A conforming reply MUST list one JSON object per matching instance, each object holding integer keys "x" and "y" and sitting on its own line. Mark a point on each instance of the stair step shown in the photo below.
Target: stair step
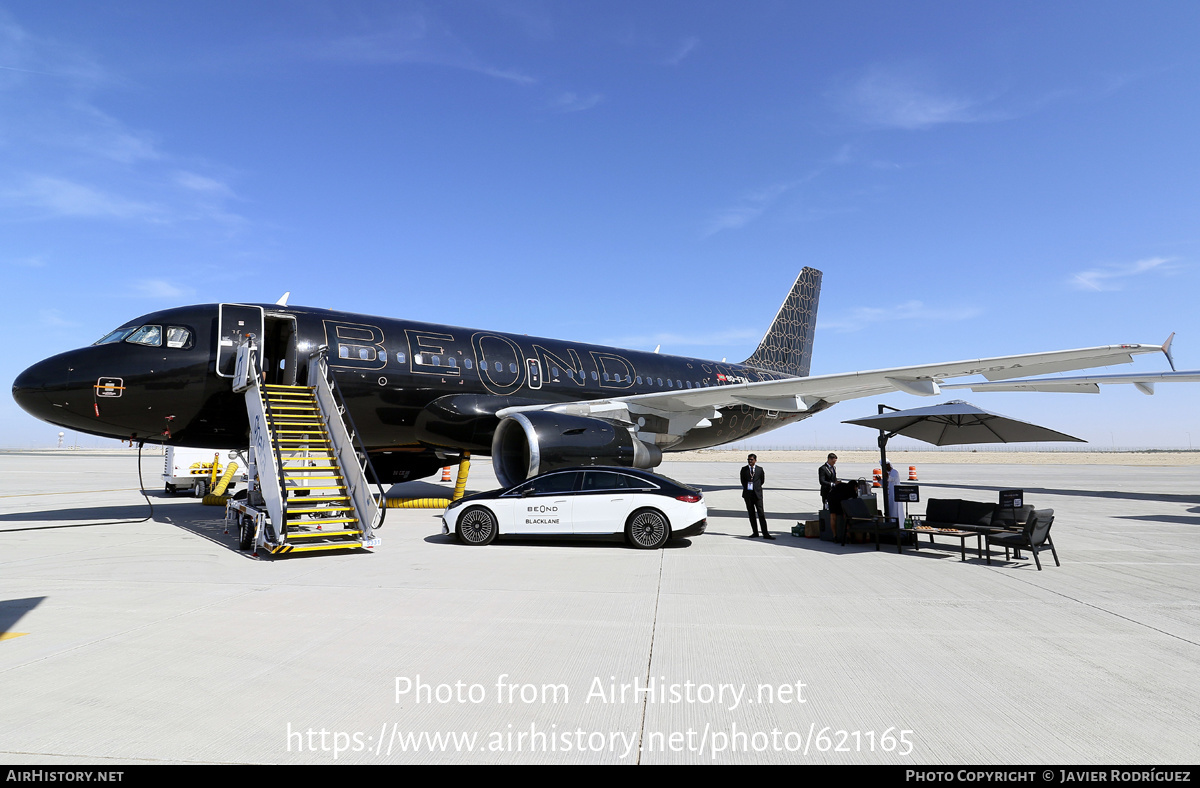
{"x": 291, "y": 548}
{"x": 318, "y": 534}
{"x": 319, "y": 509}
{"x": 322, "y": 521}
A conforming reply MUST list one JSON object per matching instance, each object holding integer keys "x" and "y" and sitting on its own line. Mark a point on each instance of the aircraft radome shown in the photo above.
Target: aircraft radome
{"x": 418, "y": 392}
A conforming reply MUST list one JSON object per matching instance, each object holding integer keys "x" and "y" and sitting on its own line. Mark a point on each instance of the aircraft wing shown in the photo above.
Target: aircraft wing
{"x": 800, "y": 394}
{"x": 1086, "y": 384}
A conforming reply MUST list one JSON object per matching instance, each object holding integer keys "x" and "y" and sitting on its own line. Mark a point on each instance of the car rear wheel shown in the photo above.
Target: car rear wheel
{"x": 476, "y": 526}
{"x": 647, "y": 529}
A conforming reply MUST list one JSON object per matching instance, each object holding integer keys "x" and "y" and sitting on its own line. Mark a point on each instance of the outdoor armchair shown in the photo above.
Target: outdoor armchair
{"x": 1034, "y": 536}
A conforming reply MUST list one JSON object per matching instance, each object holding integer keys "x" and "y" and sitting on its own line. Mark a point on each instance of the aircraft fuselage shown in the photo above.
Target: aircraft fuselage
{"x": 411, "y": 387}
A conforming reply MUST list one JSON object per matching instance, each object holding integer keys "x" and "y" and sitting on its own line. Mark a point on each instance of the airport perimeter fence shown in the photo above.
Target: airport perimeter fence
{"x": 896, "y": 447}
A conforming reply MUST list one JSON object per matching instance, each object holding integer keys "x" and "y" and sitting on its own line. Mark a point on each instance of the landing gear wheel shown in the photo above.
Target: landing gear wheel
{"x": 200, "y": 488}
{"x": 476, "y": 526}
{"x": 246, "y": 533}
{"x": 171, "y": 489}
{"x": 647, "y": 529}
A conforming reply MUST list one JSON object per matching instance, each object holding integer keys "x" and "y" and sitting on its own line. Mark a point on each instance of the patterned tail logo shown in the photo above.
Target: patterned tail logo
{"x": 787, "y": 346}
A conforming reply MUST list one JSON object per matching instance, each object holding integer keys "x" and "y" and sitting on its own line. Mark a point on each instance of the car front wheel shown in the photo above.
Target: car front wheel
{"x": 476, "y": 526}
{"x": 648, "y": 529}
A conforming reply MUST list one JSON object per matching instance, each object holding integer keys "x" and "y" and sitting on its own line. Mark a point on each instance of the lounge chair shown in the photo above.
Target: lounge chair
{"x": 1034, "y": 536}
{"x": 860, "y": 519}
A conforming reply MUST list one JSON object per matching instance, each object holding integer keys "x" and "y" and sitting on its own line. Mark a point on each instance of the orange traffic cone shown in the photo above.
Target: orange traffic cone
{"x": 878, "y": 478}
{"x": 912, "y": 473}
{"x": 446, "y": 474}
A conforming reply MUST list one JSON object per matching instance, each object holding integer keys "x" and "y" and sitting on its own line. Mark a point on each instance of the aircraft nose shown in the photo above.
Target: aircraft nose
{"x": 30, "y": 387}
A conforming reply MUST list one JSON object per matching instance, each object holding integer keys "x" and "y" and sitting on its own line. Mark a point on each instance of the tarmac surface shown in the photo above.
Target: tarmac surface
{"x": 158, "y": 642}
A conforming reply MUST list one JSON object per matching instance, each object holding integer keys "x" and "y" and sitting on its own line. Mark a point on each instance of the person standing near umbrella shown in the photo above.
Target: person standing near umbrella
{"x": 827, "y": 476}
{"x": 752, "y": 484}
{"x": 892, "y": 507}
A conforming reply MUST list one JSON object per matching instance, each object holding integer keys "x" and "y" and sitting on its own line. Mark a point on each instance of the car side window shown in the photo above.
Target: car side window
{"x": 553, "y": 483}
{"x": 604, "y": 480}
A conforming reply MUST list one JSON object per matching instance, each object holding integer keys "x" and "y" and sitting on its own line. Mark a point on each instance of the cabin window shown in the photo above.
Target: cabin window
{"x": 468, "y": 363}
{"x": 179, "y": 337}
{"x": 605, "y": 377}
{"x": 639, "y": 380}
{"x": 147, "y": 335}
{"x": 571, "y": 374}
{"x": 553, "y": 371}
{"x": 595, "y": 376}
{"x": 512, "y": 368}
{"x": 499, "y": 367}
{"x": 116, "y": 336}
{"x": 360, "y": 352}
{"x": 399, "y": 358}
{"x": 436, "y": 361}
{"x": 452, "y": 362}
{"x": 660, "y": 381}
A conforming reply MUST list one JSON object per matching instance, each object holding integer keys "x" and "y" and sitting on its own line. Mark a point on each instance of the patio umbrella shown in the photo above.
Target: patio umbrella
{"x": 957, "y": 423}
{"x": 952, "y": 423}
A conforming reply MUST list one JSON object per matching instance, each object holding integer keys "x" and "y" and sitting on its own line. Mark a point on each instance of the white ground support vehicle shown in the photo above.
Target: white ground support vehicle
{"x": 192, "y": 469}
{"x": 647, "y": 508}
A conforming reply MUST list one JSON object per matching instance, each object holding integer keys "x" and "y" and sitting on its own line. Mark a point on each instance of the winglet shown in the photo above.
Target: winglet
{"x": 283, "y": 302}
{"x": 1166, "y": 349}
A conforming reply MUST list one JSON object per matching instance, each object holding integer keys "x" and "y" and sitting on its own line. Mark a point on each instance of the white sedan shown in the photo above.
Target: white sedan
{"x": 647, "y": 508}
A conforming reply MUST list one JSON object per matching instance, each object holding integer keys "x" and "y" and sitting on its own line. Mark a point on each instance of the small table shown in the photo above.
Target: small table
{"x": 955, "y": 532}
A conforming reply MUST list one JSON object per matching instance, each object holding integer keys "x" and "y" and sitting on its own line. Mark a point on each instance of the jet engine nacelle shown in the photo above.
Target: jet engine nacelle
{"x": 526, "y": 444}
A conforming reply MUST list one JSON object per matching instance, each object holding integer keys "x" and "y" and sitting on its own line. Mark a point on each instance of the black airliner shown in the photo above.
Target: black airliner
{"x": 420, "y": 391}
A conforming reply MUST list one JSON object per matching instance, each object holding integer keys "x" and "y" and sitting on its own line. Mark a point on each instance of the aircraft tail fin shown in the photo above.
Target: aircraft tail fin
{"x": 787, "y": 345}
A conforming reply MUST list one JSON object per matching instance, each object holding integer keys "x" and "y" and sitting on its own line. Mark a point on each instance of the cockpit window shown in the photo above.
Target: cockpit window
{"x": 116, "y": 336}
{"x": 178, "y": 336}
{"x": 147, "y": 335}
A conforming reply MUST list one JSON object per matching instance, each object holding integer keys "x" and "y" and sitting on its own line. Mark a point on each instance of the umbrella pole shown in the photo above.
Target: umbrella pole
{"x": 883, "y": 439}
{"x": 885, "y": 476}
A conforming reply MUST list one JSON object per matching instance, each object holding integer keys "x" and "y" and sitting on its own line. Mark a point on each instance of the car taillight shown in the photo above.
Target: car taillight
{"x": 691, "y": 498}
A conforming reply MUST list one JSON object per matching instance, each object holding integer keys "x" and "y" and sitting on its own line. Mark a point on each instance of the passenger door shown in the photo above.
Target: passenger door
{"x": 235, "y": 321}
{"x": 604, "y": 502}
{"x": 544, "y": 505}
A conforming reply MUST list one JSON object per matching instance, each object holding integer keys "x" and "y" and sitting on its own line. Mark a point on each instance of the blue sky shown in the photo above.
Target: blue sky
{"x": 974, "y": 179}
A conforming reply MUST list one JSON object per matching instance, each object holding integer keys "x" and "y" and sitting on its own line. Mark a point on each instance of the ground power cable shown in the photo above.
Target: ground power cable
{"x": 141, "y": 489}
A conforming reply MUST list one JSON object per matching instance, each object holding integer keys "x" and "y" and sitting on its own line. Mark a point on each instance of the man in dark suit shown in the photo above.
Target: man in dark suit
{"x": 752, "y": 484}
{"x": 827, "y": 476}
